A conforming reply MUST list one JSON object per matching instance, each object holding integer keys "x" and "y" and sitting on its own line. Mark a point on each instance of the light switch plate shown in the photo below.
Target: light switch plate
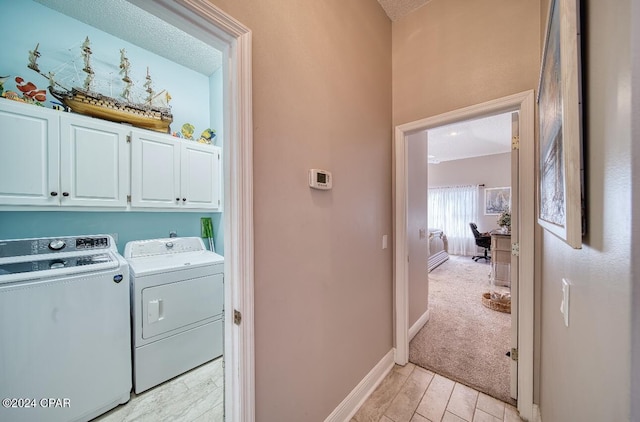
{"x": 384, "y": 241}
{"x": 564, "y": 306}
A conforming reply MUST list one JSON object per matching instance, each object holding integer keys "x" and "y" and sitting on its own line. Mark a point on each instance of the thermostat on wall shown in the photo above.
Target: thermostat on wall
{"x": 320, "y": 179}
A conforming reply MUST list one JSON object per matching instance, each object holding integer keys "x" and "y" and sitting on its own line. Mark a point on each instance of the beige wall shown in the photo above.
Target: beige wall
{"x": 585, "y": 368}
{"x": 323, "y": 284}
{"x": 451, "y": 54}
{"x": 494, "y": 171}
{"x": 417, "y": 220}
{"x": 454, "y": 53}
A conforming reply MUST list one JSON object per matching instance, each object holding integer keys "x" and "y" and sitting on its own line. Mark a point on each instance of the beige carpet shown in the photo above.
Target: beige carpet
{"x": 464, "y": 340}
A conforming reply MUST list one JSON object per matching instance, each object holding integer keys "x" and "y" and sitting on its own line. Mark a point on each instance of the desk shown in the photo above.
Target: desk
{"x": 501, "y": 258}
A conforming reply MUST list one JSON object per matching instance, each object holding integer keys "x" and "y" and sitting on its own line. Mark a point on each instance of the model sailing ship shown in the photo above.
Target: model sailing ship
{"x": 152, "y": 113}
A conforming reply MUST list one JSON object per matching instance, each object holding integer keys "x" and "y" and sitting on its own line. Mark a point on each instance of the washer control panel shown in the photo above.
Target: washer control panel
{"x": 52, "y": 245}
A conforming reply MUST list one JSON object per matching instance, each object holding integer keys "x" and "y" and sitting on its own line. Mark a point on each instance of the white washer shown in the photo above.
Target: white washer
{"x": 64, "y": 328}
{"x": 177, "y": 299}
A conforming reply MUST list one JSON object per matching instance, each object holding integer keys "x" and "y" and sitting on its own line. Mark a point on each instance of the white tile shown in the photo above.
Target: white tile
{"x": 404, "y": 370}
{"x": 481, "y": 416}
{"x": 409, "y": 396}
{"x": 450, "y": 417}
{"x": 186, "y": 398}
{"x": 374, "y": 407}
{"x": 417, "y": 368}
{"x": 205, "y": 376}
{"x": 463, "y": 401}
{"x": 511, "y": 414}
{"x": 491, "y": 405}
{"x": 417, "y": 418}
{"x": 214, "y": 415}
{"x": 433, "y": 404}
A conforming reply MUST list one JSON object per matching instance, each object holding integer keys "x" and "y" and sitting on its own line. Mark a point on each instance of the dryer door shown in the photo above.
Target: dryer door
{"x": 173, "y": 307}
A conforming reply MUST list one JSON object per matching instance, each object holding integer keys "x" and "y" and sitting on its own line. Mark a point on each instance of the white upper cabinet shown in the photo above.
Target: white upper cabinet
{"x": 52, "y": 158}
{"x": 29, "y": 155}
{"x": 169, "y": 172}
{"x": 94, "y": 162}
{"x": 200, "y": 175}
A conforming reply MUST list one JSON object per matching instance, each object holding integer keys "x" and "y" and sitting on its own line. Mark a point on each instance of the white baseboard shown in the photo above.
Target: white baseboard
{"x": 351, "y": 403}
{"x": 418, "y": 325}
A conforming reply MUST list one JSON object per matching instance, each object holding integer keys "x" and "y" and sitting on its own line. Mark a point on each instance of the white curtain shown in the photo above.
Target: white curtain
{"x": 451, "y": 209}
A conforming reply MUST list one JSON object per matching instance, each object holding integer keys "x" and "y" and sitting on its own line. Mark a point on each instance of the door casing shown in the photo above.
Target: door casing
{"x": 210, "y": 24}
{"x": 523, "y": 103}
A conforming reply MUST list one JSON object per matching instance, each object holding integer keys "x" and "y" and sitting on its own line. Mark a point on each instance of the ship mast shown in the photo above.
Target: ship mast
{"x": 86, "y": 54}
{"x": 149, "y": 90}
{"x": 33, "y": 65}
{"x": 33, "y": 59}
{"x": 124, "y": 71}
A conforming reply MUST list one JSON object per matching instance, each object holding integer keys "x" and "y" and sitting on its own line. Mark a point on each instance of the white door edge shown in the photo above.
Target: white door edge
{"x": 524, "y": 103}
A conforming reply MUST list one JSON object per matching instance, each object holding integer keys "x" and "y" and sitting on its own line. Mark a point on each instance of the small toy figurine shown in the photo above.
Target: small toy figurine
{"x": 30, "y": 90}
{"x": 2, "y": 81}
{"x": 207, "y": 136}
{"x": 187, "y": 131}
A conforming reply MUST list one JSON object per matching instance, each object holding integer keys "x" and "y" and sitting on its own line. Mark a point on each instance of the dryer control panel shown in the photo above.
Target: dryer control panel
{"x": 172, "y": 245}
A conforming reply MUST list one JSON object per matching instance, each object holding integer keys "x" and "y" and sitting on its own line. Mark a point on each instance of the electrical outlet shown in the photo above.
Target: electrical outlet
{"x": 564, "y": 306}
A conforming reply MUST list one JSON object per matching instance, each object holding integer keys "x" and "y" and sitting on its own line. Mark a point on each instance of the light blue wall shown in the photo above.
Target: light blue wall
{"x": 127, "y": 225}
{"x": 26, "y": 23}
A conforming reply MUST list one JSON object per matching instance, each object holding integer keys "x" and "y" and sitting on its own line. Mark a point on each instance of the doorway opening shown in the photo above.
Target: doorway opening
{"x": 469, "y": 182}
{"x": 524, "y": 104}
{"x": 209, "y": 81}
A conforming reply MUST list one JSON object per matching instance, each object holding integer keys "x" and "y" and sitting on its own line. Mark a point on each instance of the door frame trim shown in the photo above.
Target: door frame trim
{"x": 524, "y": 103}
{"x": 203, "y": 20}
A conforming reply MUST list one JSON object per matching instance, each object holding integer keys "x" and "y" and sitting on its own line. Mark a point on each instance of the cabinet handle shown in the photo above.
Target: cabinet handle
{"x": 54, "y": 193}
{"x": 184, "y": 199}
{"x": 65, "y": 194}
{"x": 177, "y": 199}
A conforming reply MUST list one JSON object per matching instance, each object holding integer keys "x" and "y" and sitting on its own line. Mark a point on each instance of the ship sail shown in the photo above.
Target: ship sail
{"x": 86, "y": 55}
{"x": 124, "y": 71}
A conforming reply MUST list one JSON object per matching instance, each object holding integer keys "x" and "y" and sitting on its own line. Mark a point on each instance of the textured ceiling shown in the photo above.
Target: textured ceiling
{"x": 396, "y": 9}
{"x": 130, "y": 23}
{"x": 471, "y": 138}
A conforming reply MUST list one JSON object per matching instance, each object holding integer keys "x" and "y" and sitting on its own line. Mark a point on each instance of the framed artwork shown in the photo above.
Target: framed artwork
{"x": 560, "y": 199}
{"x": 497, "y": 200}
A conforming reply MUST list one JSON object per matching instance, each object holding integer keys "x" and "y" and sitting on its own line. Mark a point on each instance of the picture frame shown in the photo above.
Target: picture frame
{"x": 560, "y": 181}
{"x": 497, "y": 200}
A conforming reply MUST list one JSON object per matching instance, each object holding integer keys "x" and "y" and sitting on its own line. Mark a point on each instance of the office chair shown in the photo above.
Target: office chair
{"x": 482, "y": 240}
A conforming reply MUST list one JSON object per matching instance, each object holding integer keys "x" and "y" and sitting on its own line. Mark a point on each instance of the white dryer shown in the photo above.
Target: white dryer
{"x": 177, "y": 299}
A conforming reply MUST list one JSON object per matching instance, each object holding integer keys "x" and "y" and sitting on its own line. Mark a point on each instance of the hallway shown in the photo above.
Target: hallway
{"x": 413, "y": 394}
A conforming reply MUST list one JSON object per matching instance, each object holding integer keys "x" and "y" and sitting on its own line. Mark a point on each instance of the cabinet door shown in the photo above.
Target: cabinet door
{"x": 29, "y": 155}
{"x": 94, "y": 162}
{"x": 200, "y": 176}
{"x": 155, "y": 170}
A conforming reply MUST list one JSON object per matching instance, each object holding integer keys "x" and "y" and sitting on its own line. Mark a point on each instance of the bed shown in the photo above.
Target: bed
{"x": 437, "y": 249}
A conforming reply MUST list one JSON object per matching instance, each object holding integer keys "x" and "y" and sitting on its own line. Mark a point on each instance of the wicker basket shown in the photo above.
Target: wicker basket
{"x": 495, "y": 305}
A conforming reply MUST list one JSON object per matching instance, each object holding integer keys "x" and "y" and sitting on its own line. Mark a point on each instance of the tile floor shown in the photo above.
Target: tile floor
{"x": 196, "y": 396}
{"x": 413, "y": 394}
